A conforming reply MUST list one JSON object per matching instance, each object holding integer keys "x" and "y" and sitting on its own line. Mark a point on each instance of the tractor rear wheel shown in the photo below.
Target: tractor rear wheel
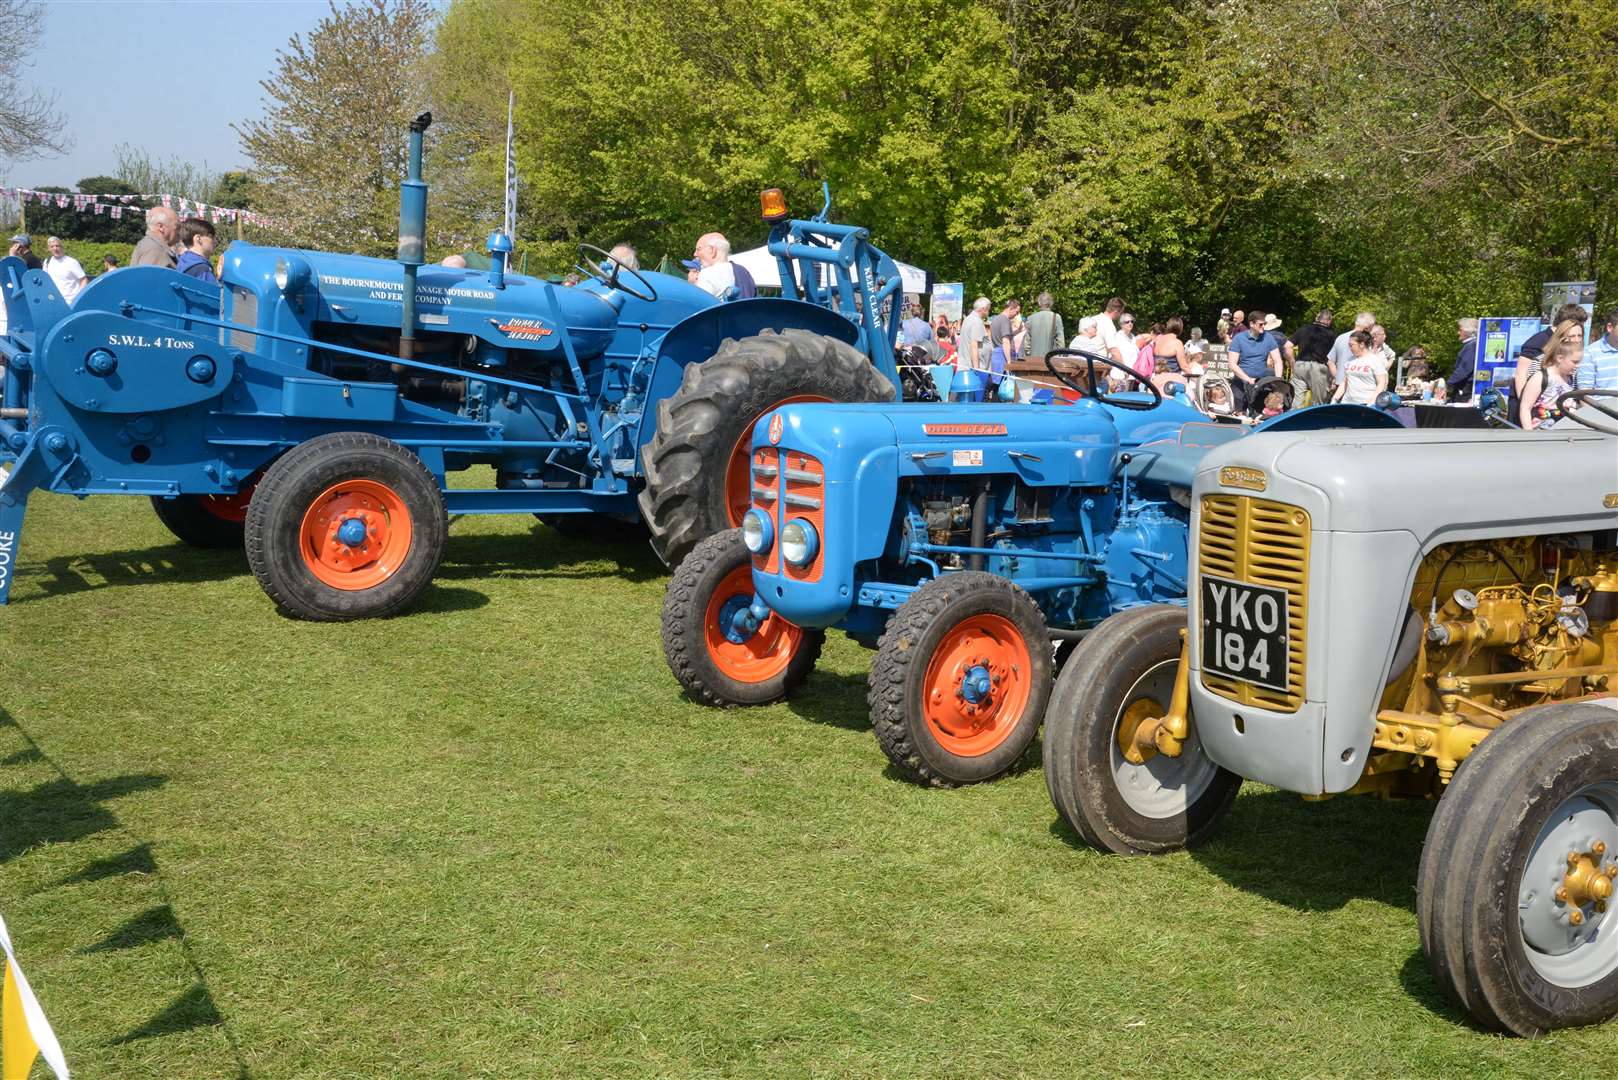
{"x": 697, "y": 476}
{"x": 205, "y": 521}
{"x": 718, "y": 661}
{"x": 345, "y": 526}
{"x": 1121, "y": 674}
{"x": 1515, "y": 892}
{"x": 961, "y": 679}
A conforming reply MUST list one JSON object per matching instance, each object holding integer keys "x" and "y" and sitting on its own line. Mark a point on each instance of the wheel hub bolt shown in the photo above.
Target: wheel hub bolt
{"x": 1576, "y": 917}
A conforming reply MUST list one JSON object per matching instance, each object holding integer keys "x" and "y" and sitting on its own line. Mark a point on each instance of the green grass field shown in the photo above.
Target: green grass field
{"x": 490, "y": 838}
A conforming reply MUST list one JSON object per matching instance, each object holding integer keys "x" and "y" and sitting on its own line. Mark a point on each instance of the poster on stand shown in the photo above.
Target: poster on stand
{"x": 1553, "y": 294}
{"x": 946, "y": 301}
{"x": 1499, "y": 342}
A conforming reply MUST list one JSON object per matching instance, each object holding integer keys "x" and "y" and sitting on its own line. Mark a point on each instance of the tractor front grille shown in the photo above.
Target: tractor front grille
{"x": 243, "y": 312}
{"x": 1262, "y": 543}
{"x": 790, "y": 484}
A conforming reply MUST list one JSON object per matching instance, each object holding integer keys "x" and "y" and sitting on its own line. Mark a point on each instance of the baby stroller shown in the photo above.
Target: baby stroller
{"x": 1266, "y": 391}
{"x": 916, "y": 373}
{"x": 1213, "y": 395}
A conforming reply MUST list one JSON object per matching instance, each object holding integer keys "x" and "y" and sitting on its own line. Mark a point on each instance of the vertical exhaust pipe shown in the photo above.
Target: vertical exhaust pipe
{"x": 412, "y": 235}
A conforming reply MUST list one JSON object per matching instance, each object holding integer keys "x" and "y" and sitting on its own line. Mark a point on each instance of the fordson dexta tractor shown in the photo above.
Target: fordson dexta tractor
{"x": 1345, "y": 637}
{"x": 958, "y": 540}
{"x": 317, "y": 403}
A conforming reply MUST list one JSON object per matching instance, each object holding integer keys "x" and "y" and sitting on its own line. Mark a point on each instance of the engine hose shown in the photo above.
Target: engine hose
{"x": 980, "y": 525}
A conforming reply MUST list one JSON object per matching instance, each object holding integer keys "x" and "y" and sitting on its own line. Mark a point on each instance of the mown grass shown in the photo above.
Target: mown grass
{"x": 490, "y": 838}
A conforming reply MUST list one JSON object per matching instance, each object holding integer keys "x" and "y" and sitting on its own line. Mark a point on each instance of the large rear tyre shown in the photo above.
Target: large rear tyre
{"x": 1121, "y": 674}
{"x": 204, "y": 521}
{"x": 717, "y": 660}
{"x": 961, "y": 679}
{"x": 697, "y": 465}
{"x": 1515, "y": 890}
{"x": 345, "y": 526}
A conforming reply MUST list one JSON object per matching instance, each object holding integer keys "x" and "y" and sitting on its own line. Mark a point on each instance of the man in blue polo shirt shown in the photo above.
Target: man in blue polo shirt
{"x": 1599, "y": 368}
{"x": 1255, "y": 354}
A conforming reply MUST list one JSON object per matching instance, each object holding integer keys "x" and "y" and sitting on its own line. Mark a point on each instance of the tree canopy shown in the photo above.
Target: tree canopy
{"x": 1426, "y": 161}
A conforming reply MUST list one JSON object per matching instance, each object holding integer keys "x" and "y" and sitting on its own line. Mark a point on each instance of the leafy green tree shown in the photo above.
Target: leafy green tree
{"x": 330, "y": 149}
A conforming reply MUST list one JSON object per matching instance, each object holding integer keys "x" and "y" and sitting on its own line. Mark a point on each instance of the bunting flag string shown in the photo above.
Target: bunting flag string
{"x": 117, "y": 205}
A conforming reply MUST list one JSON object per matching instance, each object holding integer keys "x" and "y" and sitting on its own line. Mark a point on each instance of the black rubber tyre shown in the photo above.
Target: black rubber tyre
{"x": 1476, "y": 889}
{"x": 920, "y": 659}
{"x": 733, "y": 674}
{"x": 189, "y": 519}
{"x": 596, "y": 528}
{"x": 719, "y": 400}
{"x": 1130, "y": 657}
{"x": 291, "y": 487}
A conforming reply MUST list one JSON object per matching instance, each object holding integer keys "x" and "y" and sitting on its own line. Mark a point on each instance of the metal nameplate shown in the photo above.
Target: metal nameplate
{"x": 1237, "y": 476}
{"x": 963, "y": 429}
{"x": 1244, "y": 631}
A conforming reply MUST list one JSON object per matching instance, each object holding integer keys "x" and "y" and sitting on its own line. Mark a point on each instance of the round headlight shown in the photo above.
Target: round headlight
{"x": 799, "y": 542}
{"x": 291, "y": 273}
{"x": 756, "y": 531}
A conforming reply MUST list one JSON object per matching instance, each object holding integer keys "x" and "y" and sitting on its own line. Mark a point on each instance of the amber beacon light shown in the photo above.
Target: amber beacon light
{"x": 774, "y": 204}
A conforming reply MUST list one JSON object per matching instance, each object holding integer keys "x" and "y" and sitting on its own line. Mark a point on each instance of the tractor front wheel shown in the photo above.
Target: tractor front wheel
{"x": 697, "y": 465}
{"x": 1515, "y": 893}
{"x": 961, "y": 678}
{"x": 720, "y": 654}
{"x": 205, "y": 521}
{"x": 1120, "y": 675}
{"x": 345, "y": 526}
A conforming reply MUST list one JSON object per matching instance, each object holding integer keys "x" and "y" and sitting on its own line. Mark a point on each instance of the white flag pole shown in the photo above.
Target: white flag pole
{"x": 511, "y": 172}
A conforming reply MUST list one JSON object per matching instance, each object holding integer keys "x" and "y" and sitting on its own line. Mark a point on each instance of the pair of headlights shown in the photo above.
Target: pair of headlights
{"x": 800, "y": 543}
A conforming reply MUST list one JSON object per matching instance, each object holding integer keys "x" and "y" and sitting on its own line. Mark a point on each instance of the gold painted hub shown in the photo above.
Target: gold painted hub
{"x": 1137, "y": 730}
{"x": 1586, "y": 881}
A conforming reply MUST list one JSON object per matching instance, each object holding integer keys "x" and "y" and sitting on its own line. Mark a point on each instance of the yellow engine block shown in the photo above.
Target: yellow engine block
{"x": 1504, "y": 625}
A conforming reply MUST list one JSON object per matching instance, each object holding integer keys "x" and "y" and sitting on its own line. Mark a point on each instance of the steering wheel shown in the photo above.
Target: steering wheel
{"x": 1101, "y": 395}
{"x": 1587, "y": 397}
{"x": 591, "y": 267}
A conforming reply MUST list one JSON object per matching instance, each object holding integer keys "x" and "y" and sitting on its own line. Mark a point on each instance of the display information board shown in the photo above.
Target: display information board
{"x": 1499, "y": 341}
{"x": 946, "y": 301}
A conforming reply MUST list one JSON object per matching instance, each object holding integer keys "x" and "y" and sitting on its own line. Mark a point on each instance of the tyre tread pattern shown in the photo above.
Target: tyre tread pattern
{"x": 697, "y": 427}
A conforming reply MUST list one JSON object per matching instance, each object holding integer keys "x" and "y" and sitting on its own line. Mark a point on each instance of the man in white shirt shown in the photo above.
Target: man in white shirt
{"x": 717, "y": 276}
{"x": 65, "y": 270}
{"x": 1107, "y": 325}
{"x": 973, "y": 345}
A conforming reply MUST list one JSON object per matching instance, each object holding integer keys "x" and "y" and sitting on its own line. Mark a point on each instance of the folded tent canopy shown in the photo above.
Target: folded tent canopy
{"x": 767, "y": 272}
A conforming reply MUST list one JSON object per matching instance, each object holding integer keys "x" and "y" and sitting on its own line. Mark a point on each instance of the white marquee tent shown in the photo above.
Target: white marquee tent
{"x": 767, "y": 272}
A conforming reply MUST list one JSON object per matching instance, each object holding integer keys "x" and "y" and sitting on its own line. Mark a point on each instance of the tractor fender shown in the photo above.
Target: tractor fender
{"x": 1321, "y": 417}
{"x": 699, "y": 335}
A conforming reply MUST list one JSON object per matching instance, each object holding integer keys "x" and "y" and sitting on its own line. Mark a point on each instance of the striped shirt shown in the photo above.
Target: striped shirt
{"x": 1599, "y": 368}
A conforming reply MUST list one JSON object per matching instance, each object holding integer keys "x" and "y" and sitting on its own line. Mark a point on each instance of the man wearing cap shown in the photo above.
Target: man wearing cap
{"x": 156, "y": 248}
{"x": 23, "y": 248}
{"x": 65, "y": 270}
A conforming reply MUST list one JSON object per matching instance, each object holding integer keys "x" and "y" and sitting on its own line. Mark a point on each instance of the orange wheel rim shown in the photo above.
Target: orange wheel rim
{"x": 977, "y": 685}
{"x": 739, "y": 473}
{"x": 763, "y": 654}
{"x": 355, "y": 535}
{"x": 231, "y": 508}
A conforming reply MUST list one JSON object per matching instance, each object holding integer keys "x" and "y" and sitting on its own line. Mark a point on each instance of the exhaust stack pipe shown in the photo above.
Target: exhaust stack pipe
{"x": 412, "y": 234}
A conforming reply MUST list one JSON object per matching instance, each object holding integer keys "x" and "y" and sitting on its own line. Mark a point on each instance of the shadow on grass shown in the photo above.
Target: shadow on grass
{"x": 168, "y": 564}
{"x": 154, "y": 924}
{"x": 544, "y": 553}
{"x": 61, "y": 811}
{"x": 1319, "y": 856}
{"x": 137, "y": 860}
{"x": 1417, "y": 978}
{"x": 833, "y": 700}
{"x": 193, "y": 1009}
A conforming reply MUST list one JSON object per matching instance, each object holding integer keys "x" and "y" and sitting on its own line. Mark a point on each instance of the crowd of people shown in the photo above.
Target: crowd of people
{"x": 1252, "y": 366}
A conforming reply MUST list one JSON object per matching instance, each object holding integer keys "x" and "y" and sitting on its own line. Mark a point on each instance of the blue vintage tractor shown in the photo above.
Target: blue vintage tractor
{"x": 966, "y": 543}
{"x": 315, "y": 405}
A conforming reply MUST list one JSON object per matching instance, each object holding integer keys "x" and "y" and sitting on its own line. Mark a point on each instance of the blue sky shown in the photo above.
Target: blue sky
{"x": 121, "y": 77}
